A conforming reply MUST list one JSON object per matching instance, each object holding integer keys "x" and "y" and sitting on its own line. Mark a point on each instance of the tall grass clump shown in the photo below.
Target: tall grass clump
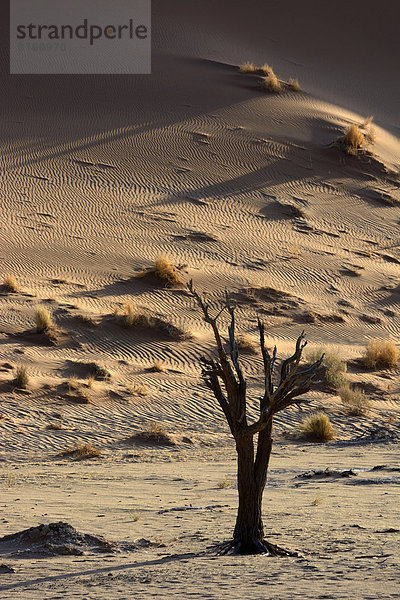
{"x": 43, "y": 320}
{"x": 21, "y": 380}
{"x": 317, "y": 428}
{"x": 10, "y": 284}
{"x": 353, "y": 140}
{"x": 271, "y": 83}
{"x": 248, "y": 67}
{"x": 381, "y": 354}
{"x": 354, "y": 400}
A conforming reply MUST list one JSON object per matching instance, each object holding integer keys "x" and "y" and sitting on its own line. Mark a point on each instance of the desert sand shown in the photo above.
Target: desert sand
{"x": 244, "y": 191}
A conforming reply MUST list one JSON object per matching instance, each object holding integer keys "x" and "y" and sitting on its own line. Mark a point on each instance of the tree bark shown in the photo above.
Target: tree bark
{"x": 249, "y": 530}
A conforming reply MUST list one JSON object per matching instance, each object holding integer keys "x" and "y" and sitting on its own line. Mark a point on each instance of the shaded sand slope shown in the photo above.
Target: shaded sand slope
{"x": 103, "y": 174}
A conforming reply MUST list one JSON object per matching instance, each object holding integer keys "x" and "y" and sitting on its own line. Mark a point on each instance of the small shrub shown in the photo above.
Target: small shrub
{"x": 43, "y": 320}
{"x": 271, "y": 83}
{"x": 10, "y": 284}
{"x": 381, "y": 354}
{"x": 247, "y": 67}
{"x": 354, "y": 400}
{"x": 80, "y": 451}
{"x": 164, "y": 269}
{"x": 21, "y": 380}
{"x": 246, "y": 344}
{"x": 317, "y": 428}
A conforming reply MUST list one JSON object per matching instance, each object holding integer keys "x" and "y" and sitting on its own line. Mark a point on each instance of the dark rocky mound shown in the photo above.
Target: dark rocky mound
{"x": 53, "y": 539}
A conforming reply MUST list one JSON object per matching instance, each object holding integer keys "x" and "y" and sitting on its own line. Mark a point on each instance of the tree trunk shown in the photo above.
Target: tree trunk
{"x": 249, "y": 530}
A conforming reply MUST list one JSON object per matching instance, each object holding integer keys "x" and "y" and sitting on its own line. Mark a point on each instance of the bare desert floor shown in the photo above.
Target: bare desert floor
{"x": 244, "y": 191}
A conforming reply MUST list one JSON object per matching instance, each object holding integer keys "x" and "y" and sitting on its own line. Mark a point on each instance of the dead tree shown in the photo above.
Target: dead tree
{"x": 225, "y": 378}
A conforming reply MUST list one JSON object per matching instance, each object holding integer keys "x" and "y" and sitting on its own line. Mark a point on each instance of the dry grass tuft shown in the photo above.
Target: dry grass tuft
{"x": 10, "y": 284}
{"x": 271, "y": 83}
{"x": 266, "y": 69}
{"x": 317, "y": 428}
{"x": 134, "y": 317}
{"x": 353, "y": 140}
{"x": 354, "y": 400}
{"x": 90, "y": 381}
{"x": 248, "y": 67}
{"x": 294, "y": 85}
{"x": 99, "y": 372}
{"x": 137, "y": 389}
{"x": 157, "y": 367}
{"x": 80, "y": 452}
{"x": 381, "y": 354}
{"x": 86, "y": 319}
{"x": 21, "y": 380}
{"x": 43, "y": 320}
{"x": 165, "y": 270}
{"x": 77, "y": 391}
{"x": 157, "y": 434}
{"x": 226, "y": 483}
{"x": 246, "y": 344}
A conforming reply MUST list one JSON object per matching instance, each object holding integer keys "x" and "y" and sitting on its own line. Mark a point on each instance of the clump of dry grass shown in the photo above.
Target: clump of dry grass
{"x": 354, "y": 400}
{"x": 165, "y": 270}
{"x": 353, "y": 140}
{"x": 317, "y": 428}
{"x": 156, "y": 433}
{"x": 381, "y": 354}
{"x": 21, "y": 380}
{"x": 90, "y": 381}
{"x": 98, "y": 371}
{"x": 80, "y": 451}
{"x": 137, "y": 389}
{"x": 86, "y": 319}
{"x": 43, "y": 320}
{"x": 271, "y": 83}
{"x": 266, "y": 69}
{"x": 134, "y": 317}
{"x": 77, "y": 391}
{"x": 246, "y": 344}
{"x": 294, "y": 85}
{"x": 157, "y": 367}
{"x": 73, "y": 384}
{"x": 248, "y": 67}
{"x": 10, "y": 284}
{"x": 335, "y": 367}
{"x": 226, "y": 483}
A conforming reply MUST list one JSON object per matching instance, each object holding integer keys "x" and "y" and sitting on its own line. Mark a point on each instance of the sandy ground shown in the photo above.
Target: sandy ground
{"x": 342, "y": 526}
{"x": 243, "y": 191}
